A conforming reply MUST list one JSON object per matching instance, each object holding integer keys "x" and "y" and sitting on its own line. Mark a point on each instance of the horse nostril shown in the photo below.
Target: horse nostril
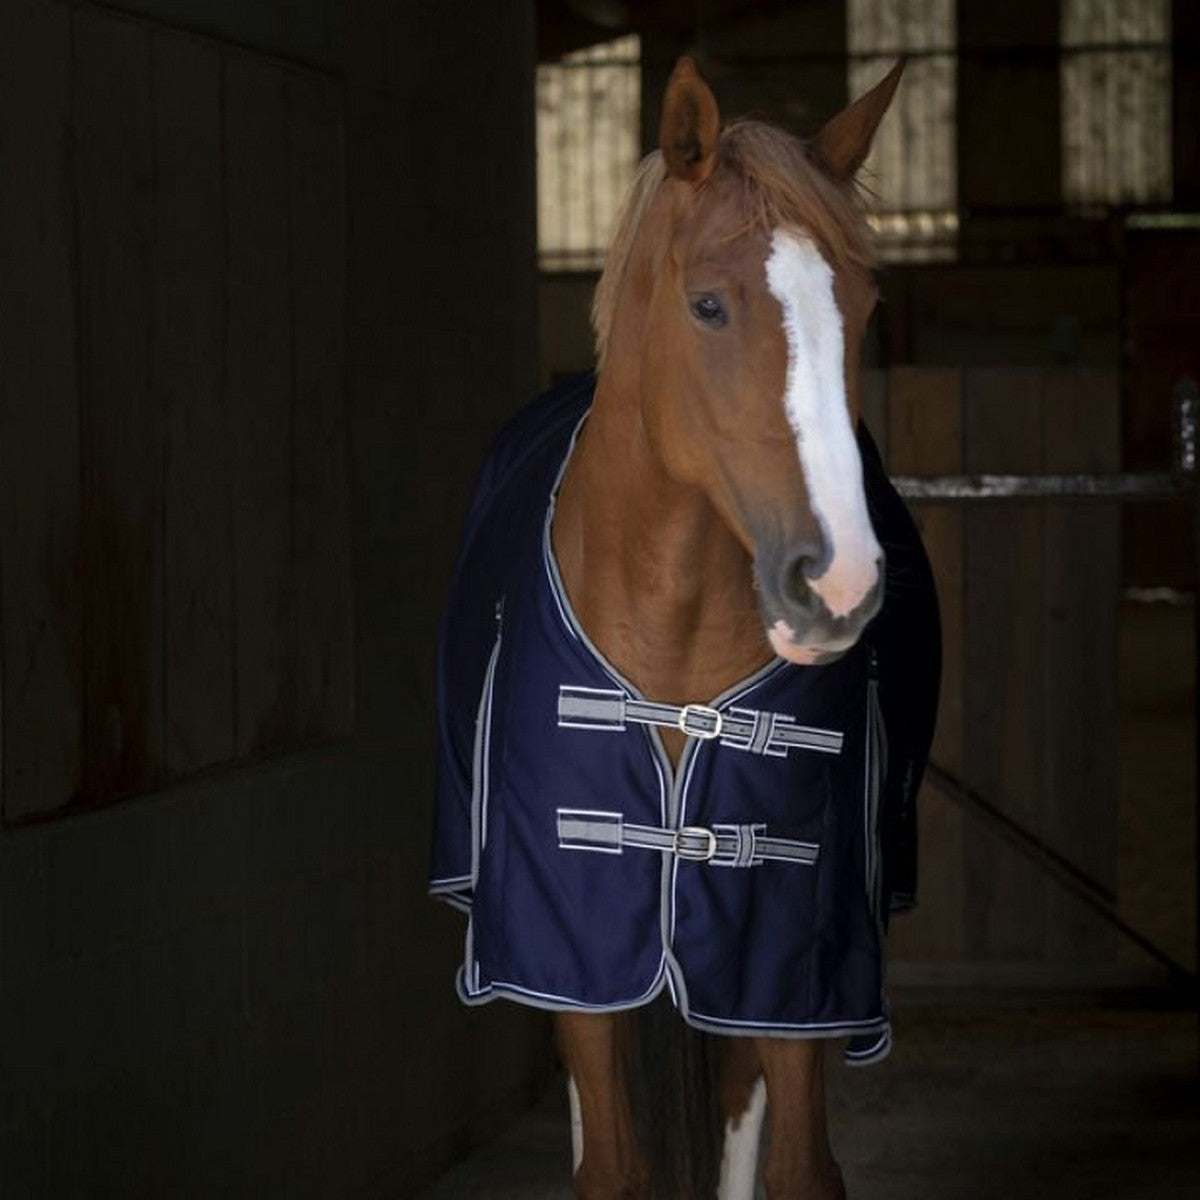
{"x": 806, "y": 564}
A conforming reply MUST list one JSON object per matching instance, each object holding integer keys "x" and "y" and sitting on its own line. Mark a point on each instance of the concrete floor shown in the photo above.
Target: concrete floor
{"x": 975, "y": 1103}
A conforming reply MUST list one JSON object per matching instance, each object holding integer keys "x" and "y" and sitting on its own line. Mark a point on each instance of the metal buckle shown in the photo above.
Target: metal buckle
{"x": 710, "y": 843}
{"x": 701, "y": 710}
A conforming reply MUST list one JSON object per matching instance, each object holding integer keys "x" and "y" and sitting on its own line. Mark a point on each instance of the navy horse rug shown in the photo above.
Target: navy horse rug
{"x": 753, "y": 880}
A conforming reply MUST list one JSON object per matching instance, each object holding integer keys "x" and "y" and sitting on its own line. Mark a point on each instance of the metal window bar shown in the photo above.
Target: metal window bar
{"x": 588, "y": 114}
{"x": 1181, "y": 483}
{"x": 913, "y": 161}
{"x": 1116, "y": 102}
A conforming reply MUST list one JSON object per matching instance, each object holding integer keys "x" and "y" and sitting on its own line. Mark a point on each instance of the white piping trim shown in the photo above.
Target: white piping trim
{"x": 877, "y": 1052}
{"x": 499, "y": 988}
{"x": 795, "y": 1028}
{"x": 451, "y": 882}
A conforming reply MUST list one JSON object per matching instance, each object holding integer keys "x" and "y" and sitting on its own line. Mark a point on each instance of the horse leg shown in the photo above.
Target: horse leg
{"x": 595, "y": 1048}
{"x": 800, "y": 1163}
{"x": 743, "y": 1101}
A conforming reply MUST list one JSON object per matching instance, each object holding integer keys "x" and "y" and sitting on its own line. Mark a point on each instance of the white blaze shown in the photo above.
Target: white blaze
{"x": 815, "y": 400}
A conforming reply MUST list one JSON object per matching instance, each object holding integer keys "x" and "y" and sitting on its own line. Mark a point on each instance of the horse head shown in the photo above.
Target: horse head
{"x": 733, "y": 304}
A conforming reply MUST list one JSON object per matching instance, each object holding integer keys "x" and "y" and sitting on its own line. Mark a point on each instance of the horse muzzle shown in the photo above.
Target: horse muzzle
{"x": 799, "y": 624}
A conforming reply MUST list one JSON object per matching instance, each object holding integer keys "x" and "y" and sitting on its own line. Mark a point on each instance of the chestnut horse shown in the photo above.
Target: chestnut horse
{"x": 705, "y": 527}
{"x": 713, "y": 513}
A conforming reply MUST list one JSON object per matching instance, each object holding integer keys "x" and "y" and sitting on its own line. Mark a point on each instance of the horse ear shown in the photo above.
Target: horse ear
{"x": 842, "y": 145}
{"x": 690, "y": 125}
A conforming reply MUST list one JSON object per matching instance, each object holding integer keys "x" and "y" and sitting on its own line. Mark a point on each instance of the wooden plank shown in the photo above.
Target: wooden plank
{"x": 925, "y": 438}
{"x": 1003, "y": 708}
{"x": 320, "y": 515}
{"x": 122, "y": 464}
{"x": 188, "y": 374}
{"x": 41, "y": 614}
{"x": 259, "y": 382}
{"x": 1081, "y": 566}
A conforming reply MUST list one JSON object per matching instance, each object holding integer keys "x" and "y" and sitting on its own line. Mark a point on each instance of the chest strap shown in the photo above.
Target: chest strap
{"x": 720, "y": 846}
{"x": 740, "y": 728}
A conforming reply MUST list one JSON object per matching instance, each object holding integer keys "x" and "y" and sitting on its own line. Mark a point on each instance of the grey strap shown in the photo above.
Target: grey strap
{"x": 740, "y": 728}
{"x": 720, "y": 846}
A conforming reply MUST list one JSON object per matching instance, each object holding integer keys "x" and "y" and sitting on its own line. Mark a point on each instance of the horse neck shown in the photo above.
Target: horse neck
{"x": 659, "y": 582}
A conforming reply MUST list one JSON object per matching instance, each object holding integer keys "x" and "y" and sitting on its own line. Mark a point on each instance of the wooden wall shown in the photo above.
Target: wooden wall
{"x": 175, "y": 535}
{"x": 235, "y": 984}
{"x": 1028, "y": 713}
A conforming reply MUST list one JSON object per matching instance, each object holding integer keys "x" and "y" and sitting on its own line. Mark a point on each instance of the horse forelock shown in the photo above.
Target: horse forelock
{"x": 781, "y": 186}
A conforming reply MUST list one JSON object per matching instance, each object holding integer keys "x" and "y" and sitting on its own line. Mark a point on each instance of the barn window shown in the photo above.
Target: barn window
{"x": 588, "y": 134}
{"x": 1116, "y": 102}
{"x": 912, "y": 167}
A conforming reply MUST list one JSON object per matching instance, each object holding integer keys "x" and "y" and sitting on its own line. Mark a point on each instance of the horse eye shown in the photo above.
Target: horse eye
{"x": 709, "y": 310}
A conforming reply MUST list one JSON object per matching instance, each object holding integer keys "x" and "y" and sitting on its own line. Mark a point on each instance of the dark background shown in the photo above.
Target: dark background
{"x": 268, "y": 283}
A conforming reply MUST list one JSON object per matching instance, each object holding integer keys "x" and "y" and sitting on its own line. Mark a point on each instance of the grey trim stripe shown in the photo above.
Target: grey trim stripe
{"x": 747, "y": 729}
{"x": 481, "y": 756}
{"x": 720, "y": 846}
{"x": 499, "y": 989}
{"x": 494, "y": 989}
{"x": 449, "y": 882}
{"x": 868, "y": 1055}
{"x": 797, "y": 1029}
{"x": 580, "y": 829}
{"x": 454, "y": 899}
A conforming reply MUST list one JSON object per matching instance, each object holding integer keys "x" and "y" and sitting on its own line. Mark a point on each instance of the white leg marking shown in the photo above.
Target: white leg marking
{"x": 576, "y": 1125}
{"x": 815, "y": 400}
{"x": 739, "y": 1162}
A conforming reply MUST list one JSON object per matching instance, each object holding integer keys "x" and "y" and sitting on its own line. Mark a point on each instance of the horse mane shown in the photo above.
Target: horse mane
{"x": 781, "y": 185}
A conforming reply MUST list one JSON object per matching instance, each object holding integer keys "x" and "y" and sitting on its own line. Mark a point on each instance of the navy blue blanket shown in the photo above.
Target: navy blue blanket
{"x": 753, "y": 882}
